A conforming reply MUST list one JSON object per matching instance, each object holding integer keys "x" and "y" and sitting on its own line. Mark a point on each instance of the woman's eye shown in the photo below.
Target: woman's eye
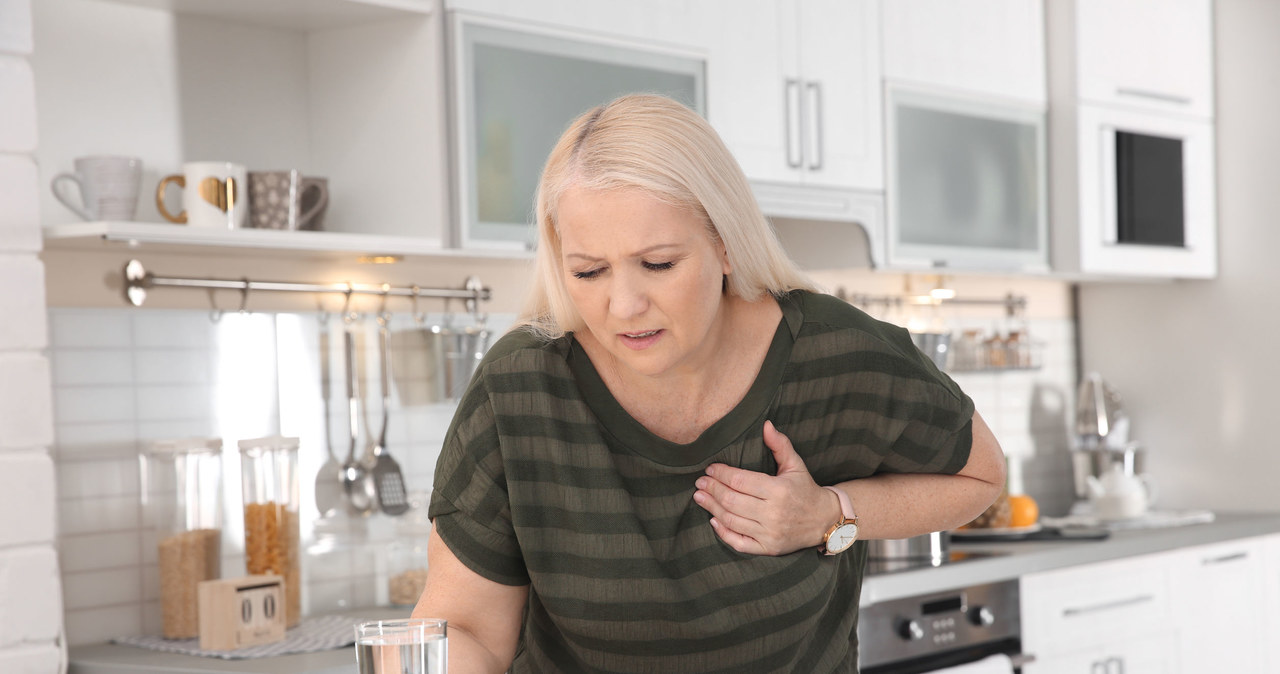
{"x": 586, "y": 275}
{"x": 658, "y": 266}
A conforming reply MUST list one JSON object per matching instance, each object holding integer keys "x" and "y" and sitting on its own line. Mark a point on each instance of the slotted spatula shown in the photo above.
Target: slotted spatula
{"x": 388, "y": 481}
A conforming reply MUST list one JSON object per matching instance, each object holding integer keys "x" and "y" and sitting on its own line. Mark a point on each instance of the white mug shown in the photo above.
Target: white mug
{"x": 108, "y": 187}
{"x": 214, "y": 195}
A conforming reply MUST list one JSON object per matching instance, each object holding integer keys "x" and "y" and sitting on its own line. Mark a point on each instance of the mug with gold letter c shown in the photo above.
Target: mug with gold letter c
{"x": 214, "y": 194}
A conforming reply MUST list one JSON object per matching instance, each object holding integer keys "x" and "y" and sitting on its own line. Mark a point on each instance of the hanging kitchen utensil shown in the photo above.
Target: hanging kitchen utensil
{"x": 329, "y": 477}
{"x": 388, "y": 481}
{"x": 355, "y": 474}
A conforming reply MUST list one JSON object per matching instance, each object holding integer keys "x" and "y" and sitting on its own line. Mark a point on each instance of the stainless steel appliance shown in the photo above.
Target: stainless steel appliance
{"x": 930, "y": 632}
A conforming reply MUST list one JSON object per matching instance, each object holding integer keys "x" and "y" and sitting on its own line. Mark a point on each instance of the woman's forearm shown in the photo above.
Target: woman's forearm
{"x": 900, "y": 506}
{"x": 895, "y": 505}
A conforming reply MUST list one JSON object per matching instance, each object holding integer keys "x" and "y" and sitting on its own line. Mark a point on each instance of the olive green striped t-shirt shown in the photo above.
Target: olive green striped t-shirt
{"x": 545, "y": 480}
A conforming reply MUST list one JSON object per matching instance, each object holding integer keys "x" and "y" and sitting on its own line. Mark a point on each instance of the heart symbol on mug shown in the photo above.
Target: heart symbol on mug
{"x": 222, "y": 194}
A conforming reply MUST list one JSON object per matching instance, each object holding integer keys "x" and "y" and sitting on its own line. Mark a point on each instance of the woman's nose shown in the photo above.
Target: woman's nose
{"x": 627, "y": 297}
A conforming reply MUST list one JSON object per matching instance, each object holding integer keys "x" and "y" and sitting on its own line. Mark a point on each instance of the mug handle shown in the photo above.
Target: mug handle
{"x": 58, "y": 194}
{"x": 180, "y": 218}
{"x": 316, "y": 207}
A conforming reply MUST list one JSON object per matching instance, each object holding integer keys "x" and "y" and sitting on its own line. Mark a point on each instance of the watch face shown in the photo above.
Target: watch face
{"x": 842, "y": 537}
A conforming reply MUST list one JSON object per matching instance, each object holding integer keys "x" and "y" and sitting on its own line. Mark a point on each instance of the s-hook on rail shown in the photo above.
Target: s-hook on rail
{"x": 138, "y": 281}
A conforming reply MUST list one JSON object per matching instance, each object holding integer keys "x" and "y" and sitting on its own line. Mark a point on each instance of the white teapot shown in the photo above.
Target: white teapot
{"x": 1119, "y": 495}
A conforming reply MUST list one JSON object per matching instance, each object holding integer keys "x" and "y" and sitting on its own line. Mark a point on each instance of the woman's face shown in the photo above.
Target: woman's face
{"x": 644, "y": 275}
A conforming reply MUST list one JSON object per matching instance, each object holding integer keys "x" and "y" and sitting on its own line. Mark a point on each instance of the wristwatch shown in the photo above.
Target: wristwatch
{"x": 843, "y": 533}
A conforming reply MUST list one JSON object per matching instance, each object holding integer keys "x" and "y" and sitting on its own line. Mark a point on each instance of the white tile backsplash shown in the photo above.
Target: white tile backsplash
{"x": 100, "y": 514}
{"x": 98, "y": 478}
{"x": 87, "y": 367}
{"x": 95, "y": 404}
{"x": 96, "y": 552}
{"x": 97, "y": 589}
{"x": 173, "y": 366}
{"x": 90, "y": 328}
{"x": 97, "y": 625}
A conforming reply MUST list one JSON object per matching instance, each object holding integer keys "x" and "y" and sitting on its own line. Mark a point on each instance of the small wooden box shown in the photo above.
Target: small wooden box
{"x": 239, "y": 612}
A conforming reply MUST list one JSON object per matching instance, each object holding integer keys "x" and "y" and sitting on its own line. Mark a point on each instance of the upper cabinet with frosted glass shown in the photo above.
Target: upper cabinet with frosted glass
{"x": 516, "y": 86}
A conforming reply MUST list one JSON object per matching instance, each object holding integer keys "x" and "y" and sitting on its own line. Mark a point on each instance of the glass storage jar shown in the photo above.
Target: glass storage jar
{"x": 407, "y": 555}
{"x": 340, "y": 564}
{"x": 269, "y": 478}
{"x": 181, "y": 488}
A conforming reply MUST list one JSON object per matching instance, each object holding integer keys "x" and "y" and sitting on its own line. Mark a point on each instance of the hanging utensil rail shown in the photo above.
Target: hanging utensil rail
{"x": 1013, "y": 304}
{"x": 138, "y": 281}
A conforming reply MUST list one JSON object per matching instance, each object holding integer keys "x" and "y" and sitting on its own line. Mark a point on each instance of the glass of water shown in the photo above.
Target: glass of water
{"x": 411, "y": 646}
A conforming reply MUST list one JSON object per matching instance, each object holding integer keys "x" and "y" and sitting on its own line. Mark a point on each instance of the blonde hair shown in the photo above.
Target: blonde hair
{"x": 657, "y": 145}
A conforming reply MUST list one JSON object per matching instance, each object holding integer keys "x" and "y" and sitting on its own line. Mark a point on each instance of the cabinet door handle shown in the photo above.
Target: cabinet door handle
{"x": 1098, "y": 667}
{"x": 1106, "y": 606}
{"x": 814, "y": 89}
{"x": 1233, "y": 557}
{"x": 1118, "y": 662}
{"x": 791, "y": 105}
{"x": 1153, "y": 95}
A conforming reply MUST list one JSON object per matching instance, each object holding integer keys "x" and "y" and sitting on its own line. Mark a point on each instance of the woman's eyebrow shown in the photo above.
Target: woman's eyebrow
{"x": 639, "y": 253}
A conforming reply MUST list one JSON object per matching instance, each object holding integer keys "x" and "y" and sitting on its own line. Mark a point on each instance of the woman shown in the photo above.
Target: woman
{"x": 645, "y": 475}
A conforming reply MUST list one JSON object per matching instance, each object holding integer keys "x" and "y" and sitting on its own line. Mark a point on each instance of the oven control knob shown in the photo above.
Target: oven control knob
{"x": 910, "y": 630}
{"x": 981, "y": 616}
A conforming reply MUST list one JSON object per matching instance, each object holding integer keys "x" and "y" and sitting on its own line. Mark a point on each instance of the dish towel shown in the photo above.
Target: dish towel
{"x": 320, "y": 633}
{"x": 992, "y": 664}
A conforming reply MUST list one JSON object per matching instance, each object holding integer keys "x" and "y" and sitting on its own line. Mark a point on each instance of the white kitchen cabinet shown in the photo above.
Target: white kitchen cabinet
{"x": 1154, "y": 55}
{"x": 1131, "y": 139}
{"x": 1111, "y": 617}
{"x": 1270, "y": 591}
{"x": 992, "y": 48}
{"x": 794, "y": 89}
{"x": 505, "y": 124}
{"x": 1145, "y": 655}
{"x": 1221, "y": 607}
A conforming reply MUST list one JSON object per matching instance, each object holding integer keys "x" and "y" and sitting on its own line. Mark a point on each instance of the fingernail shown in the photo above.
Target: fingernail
{"x": 700, "y": 483}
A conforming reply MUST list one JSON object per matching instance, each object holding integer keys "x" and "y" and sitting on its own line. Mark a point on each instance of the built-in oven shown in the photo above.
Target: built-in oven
{"x": 935, "y": 631}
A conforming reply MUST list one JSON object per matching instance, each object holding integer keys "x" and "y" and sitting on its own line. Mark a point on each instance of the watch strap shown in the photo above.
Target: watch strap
{"x": 846, "y": 506}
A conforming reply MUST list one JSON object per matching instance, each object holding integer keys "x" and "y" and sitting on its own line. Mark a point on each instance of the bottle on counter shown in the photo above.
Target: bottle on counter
{"x": 269, "y": 478}
{"x": 181, "y": 487}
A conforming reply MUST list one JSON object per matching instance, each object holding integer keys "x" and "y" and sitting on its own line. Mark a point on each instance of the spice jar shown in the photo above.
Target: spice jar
{"x": 181, "y": 487}
{"x": 407, "y": 556}
{"x": 269, "y": 478}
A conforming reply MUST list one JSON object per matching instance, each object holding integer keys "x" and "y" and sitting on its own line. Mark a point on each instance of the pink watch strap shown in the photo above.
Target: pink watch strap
{"x": 846, "y": 506}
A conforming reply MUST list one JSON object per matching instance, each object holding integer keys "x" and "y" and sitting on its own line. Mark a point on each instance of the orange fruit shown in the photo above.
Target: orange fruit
{"x": 1023, "y": 510}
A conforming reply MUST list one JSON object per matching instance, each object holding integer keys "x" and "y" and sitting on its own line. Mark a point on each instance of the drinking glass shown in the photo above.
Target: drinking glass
{"x": 411, "y": 646}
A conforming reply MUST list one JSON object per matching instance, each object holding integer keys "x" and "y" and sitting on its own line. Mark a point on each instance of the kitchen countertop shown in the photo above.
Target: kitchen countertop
{"x": 1016, "y": 559}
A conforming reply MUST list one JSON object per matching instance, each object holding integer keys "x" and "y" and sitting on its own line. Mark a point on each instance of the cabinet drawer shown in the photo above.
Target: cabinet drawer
{"x": 1067, "y": 610}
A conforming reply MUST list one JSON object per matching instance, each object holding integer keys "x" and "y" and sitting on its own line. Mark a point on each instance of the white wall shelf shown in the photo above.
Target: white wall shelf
{"x": 304, "y": 15}
{"x": 166, "y": 238}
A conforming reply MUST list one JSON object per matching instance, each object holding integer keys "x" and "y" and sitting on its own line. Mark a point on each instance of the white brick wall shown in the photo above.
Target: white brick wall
{"x": 31, "y": 622}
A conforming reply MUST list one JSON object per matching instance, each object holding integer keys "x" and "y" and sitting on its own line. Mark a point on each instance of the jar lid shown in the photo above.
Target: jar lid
{"x": 186, "y": 446}
{"x": 268, "y": 442}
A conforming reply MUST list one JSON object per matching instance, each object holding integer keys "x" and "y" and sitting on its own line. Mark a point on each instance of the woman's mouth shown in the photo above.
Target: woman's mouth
{"x": 640, "y": 340}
